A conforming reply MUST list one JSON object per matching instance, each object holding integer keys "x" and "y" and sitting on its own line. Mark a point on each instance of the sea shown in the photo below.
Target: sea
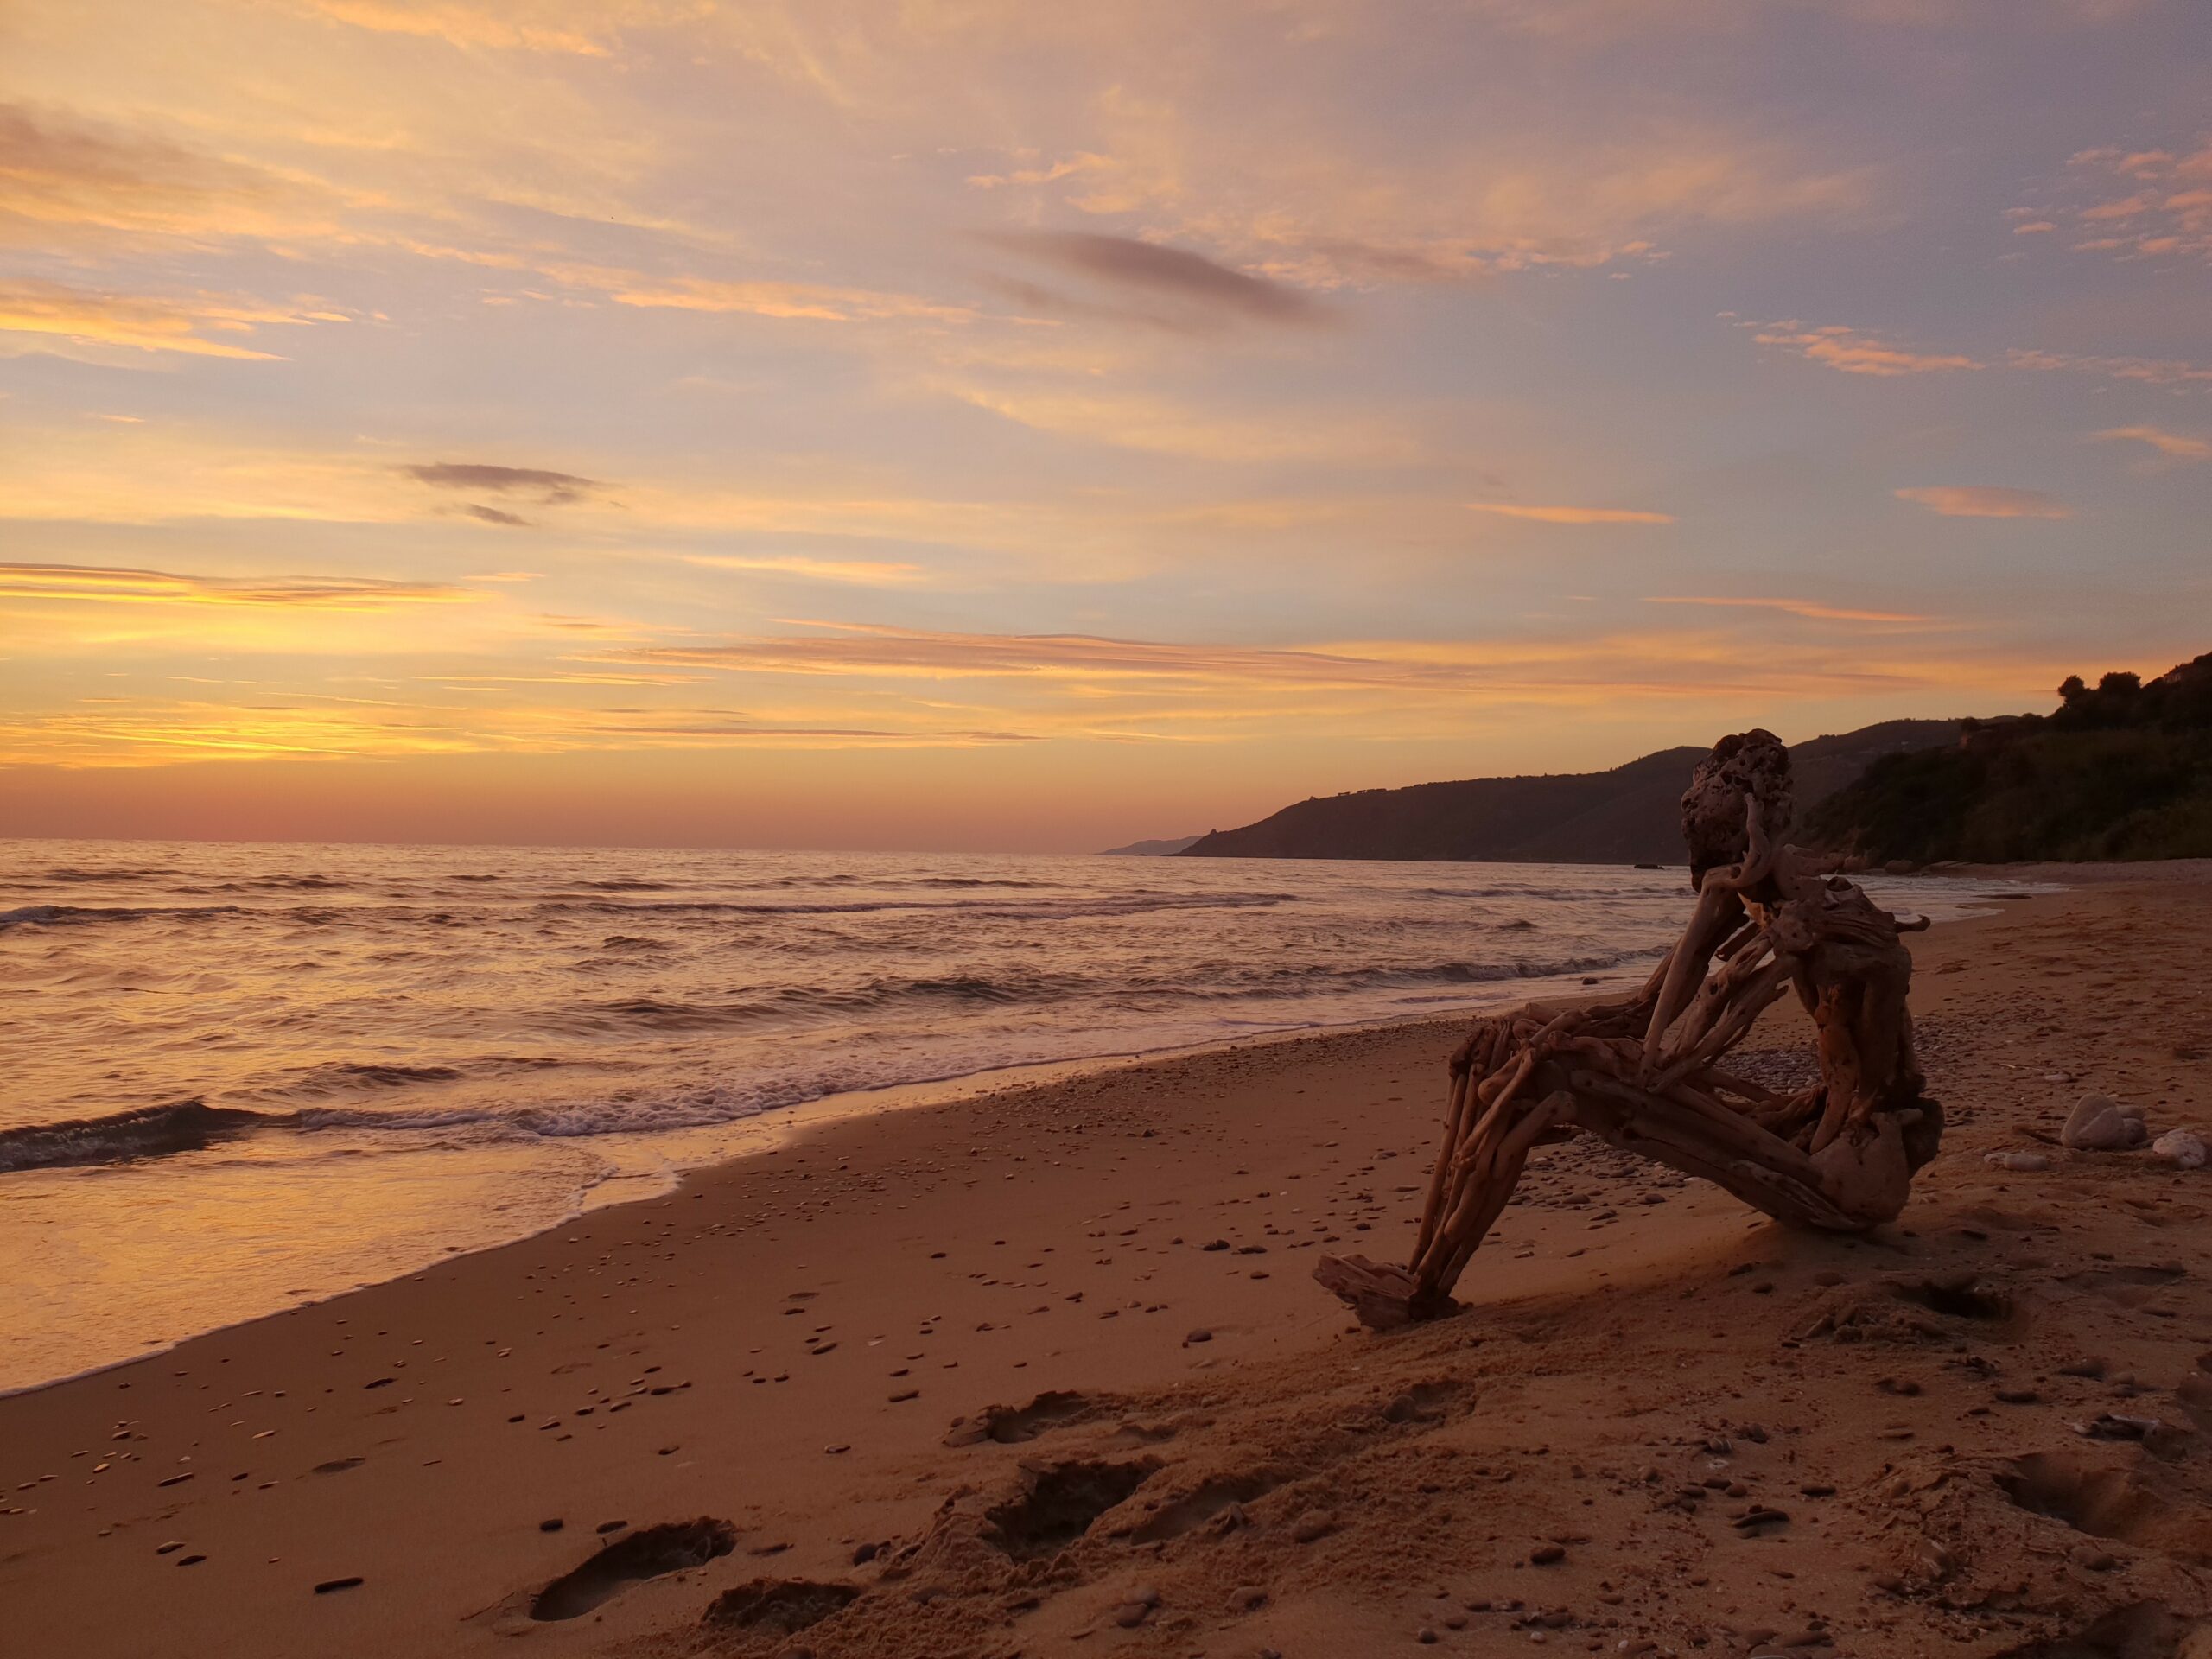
{"x": 234, "y": 1077}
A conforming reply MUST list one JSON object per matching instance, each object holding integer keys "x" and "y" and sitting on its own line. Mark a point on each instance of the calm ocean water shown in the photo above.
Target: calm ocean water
{"x": 238, "y": 1077}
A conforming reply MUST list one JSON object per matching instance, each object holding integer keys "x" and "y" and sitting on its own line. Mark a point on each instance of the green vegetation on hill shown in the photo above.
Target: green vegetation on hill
{"x": 2121, "y": 770}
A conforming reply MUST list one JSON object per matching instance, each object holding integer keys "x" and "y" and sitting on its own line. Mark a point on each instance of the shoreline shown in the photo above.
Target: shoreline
{"x": 508, "y": 1192}
{"x": 772, "y": 1129}
{"x": 909, "y": 1268}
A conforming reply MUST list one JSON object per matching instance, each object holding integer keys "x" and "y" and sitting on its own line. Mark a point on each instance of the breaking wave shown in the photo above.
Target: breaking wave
{"x": 123, "y": 1137}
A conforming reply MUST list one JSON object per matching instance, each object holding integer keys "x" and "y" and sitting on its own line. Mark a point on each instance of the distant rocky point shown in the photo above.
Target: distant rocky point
{"x": 1150, "y": 848}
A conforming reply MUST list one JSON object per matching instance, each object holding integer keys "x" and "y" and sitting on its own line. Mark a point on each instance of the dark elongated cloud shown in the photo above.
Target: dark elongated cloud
{"x": 1156, "y": 271}
{"x": 496, "y": 516}
{"x": 549, "y": 488}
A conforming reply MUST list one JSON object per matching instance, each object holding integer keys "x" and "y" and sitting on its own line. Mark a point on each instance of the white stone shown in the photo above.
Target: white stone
{"x": 2181, "y": 1148}
{"x": 2026, "y": 1162}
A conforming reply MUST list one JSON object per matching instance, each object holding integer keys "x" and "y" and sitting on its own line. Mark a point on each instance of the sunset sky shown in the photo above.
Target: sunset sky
{"x": 997, "y": 424}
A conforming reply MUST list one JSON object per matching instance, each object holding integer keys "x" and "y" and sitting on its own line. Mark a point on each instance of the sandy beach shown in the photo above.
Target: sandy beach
{"x": 1044, "y": 1371}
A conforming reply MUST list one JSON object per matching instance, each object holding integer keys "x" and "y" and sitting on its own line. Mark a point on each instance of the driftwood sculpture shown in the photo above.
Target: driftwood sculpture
{"x": 1648, "y": 1075}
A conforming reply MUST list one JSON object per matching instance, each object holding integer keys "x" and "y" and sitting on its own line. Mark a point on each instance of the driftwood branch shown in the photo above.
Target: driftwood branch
{"x": 1644, "y": 1075}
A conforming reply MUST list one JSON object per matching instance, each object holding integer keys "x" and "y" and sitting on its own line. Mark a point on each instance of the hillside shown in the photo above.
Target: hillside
{"x": 1161, "y": 848}
{"x": 1629, "y": 815}
{"x": 2121, "y": 772}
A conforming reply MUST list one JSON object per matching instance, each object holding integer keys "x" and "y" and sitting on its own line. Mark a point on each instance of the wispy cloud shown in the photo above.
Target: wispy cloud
{"x": 2142, "y": 204}
{"x": 1671, "y": 664}
{"x": 1573, "y": 515}
{"x": 119, "y": 585}
{"x": 201, "y": 325}
{"x": 1156, "y": 272}
{"x": 64, "y": 179}
{"x": 1807, "y": 609}
{"x": 790, "y": 302}
{"x": 1985, "y": 501}
{"x": 1849, "y": 351}
{"x": 2151, "y": 371}
{"x": 871, "y": 572}
{"x": 547, "y": 488}
{"x": 1136, "y": 421}
{"x": 2175, "y": 446}
{"x": 576, "y": 30}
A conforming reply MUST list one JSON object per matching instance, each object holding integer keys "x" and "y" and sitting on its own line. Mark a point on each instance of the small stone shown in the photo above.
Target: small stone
{"x": 1130, "y": 1614}
{"x": 1199, "y": 1335}
{"x": 863, "y": 1554}
{"x": 1546, "y": 1554}
{"x": 2099, "y": 1123}
{"x": 2025, "y": 1163}
{"x": 329, "y": 1584}
{"x": 551, "y": 1526}
{"x": 1246, "y": 1596}
{"x": 2018, "y": 1396}
{"x": 2090, "y": 1558}
{"x": 1312, "y": 1525}
{"x": 1427, "y": 1637}
{"x": 2181, "y": 1148}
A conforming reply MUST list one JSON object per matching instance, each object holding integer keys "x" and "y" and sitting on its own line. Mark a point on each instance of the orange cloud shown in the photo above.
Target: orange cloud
{"x": 2172, "y": 445}
{"x": 100, "y": 584}
{"x": 2164, "y": 208}
{"x": 1132, "y": 420}
{"x": 535, "y": 28}
{"x": 1802, "y": 608}
{"x": 1572, "y": 515}
{"x": 2151, "y": 371}
{"x": 140, "y": 323}
{"x": 63, "y": 177}
{"x": 798, "y": 302}
{"x": 1986, "y": 501}
{"x": 1849, "y": 351}
{"x": 868, "y": 572}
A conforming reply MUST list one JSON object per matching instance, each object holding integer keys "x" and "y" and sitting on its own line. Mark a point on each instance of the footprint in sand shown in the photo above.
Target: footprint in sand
{"x": 645, "y": 1554}
{"x": 1058, "y": 1503}
{"x": 771, "y": 1608}
{"x": 1014, "y": 1425}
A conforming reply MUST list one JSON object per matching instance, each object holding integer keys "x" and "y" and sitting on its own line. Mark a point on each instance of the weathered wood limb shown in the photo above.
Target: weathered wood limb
{"x": 1645, "y": 1075}
{"x": 1384, "y": 1297}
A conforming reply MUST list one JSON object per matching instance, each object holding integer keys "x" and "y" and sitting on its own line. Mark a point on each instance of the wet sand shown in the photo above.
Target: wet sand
{"x": 1665, "y": 1420}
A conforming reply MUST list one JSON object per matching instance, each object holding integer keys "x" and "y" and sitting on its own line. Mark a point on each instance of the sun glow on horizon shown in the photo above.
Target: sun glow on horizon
{"x": 839, "y": 420}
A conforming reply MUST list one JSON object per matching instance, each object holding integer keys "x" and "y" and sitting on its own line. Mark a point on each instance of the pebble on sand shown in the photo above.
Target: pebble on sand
{"x": 2099, "y": 1123}
{"x": 2183, "y": 1148}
